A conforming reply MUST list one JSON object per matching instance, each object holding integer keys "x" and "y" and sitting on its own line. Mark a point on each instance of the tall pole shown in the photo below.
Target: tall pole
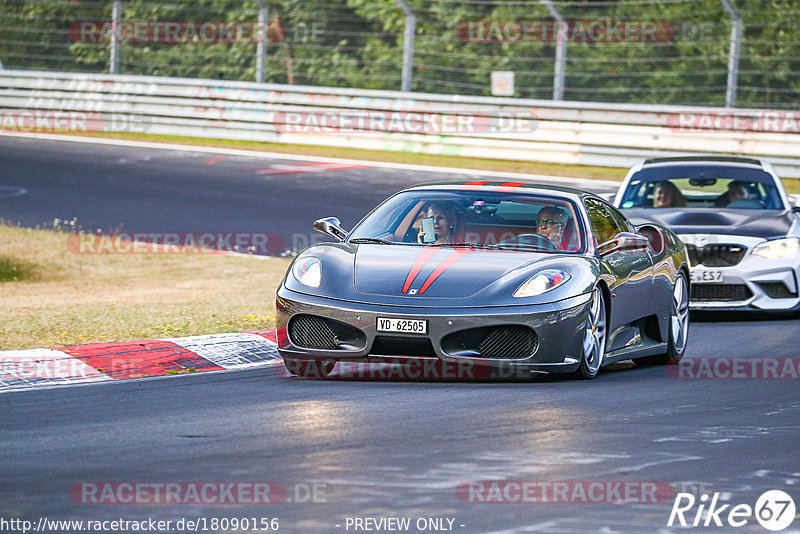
{"x": 261, "y": 44}
{"x": 733, "y": 54}
{"x": 408, "y": 44}
{"x": 113, "y": 61}
{"x": 561, "y": 51}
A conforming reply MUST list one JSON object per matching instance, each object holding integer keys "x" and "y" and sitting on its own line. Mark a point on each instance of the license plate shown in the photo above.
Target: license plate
{"x": 405, "y": 326}
{"x": 700, "y": 277}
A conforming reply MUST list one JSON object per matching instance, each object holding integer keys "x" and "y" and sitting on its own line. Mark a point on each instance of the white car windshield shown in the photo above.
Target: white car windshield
{"x": 702, "y": 187}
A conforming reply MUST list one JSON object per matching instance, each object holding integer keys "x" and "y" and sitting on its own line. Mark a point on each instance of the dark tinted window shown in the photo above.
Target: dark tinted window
{"x": 605, "y": 224}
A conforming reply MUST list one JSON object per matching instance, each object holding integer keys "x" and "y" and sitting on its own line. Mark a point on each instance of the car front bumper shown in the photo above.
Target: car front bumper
{"x": 559, "y": 329}
{"x": 764, "y": 284}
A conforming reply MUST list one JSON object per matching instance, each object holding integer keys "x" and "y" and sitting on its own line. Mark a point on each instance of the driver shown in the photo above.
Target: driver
{"x": 444, "y": 224}
{"x": 551, "y": 222}
{"x": 737, "y": 191}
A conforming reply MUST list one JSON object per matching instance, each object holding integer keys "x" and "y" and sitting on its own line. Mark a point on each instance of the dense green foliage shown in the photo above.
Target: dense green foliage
{"x": 359, "y": 43}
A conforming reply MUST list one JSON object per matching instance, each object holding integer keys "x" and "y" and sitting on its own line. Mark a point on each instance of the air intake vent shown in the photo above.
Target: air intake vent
{"x": 720, "y": 292}
{"x": 314, "y": 332}
{"x": 511, "y": 342}
{"x": 776, "y": 290}
{"x": 716, "y": 255}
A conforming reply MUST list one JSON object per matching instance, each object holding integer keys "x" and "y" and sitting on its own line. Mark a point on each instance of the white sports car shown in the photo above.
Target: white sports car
{"x": 740, "y": 227}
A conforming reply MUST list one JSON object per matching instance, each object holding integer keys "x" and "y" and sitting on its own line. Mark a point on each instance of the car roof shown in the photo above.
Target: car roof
{"x": 712, "y": 160}
{"x": 495, "y": 185}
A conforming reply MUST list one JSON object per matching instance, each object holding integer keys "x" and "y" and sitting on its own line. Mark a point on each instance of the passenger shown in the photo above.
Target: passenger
{"x": 667, "y": 195}
{"x": 444, "y": 221}
{"x": 551, "y": 223}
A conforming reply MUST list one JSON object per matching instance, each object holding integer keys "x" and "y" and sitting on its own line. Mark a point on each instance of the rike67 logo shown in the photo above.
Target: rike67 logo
{"x": 774, "y": 510}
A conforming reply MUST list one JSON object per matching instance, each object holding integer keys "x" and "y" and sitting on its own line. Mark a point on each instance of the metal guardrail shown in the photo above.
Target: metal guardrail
{"x": 479, "y": 127}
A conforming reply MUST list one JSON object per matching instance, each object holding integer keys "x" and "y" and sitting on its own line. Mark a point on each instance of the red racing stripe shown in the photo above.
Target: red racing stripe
{"x": 508, "y": 186}
{"x": 442, "y": 267}
{"x": 424, "y": 256}
{"x": 474, "y": 185}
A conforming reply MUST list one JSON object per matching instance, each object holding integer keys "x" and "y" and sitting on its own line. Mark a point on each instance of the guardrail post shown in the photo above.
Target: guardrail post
{"x": 261, "y": 44}
{"x": 733, "y": 54}
{"x": 408, "y": 44}
{"x": 113, "y": 60}
{"x": 561, "y": 51}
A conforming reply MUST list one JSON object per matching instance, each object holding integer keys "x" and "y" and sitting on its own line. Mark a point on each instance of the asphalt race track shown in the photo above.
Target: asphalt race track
{"x": 355, "y": 448}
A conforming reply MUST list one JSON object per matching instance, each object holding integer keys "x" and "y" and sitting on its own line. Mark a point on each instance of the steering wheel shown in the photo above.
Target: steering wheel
{"x": 535, "y": 240}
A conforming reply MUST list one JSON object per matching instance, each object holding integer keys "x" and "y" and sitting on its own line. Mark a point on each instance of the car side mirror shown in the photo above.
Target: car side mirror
{"x": 330, "y": 226}
{"x": 623, "y": 242}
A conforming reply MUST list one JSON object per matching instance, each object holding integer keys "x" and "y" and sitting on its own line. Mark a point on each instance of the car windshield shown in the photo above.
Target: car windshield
{"x": 505, "y": 221}
{"x": 702, "y": 186}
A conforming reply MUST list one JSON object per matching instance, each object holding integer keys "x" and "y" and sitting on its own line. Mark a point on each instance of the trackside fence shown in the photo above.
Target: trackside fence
{"x": 468, "y": 126}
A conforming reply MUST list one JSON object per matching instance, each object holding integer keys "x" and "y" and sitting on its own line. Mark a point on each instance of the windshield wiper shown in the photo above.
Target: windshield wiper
{"x": 523, "y": 246}
{"x": 359, "y": 240}
{"x": 467, "y": 245}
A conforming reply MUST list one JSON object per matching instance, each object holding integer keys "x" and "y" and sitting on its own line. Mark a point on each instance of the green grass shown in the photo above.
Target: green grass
{"x": 54, "y": 297}
{"x": 13, "y": 269}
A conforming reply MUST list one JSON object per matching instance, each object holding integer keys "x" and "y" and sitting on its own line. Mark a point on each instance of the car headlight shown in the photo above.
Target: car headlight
{"x": 308, "y": 271}
{"x": 778, "y": 248}
{"x": 542, "y": 282}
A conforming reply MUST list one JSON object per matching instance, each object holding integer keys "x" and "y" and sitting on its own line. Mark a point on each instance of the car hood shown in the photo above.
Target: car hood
{"x": 767, "y": 224}
{"x": 433, "y": 271}
{"x": 431, "y": 276}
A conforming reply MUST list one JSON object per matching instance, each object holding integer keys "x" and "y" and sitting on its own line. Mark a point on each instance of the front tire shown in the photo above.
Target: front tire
{"x": 678, "y": 334}
{"x": 594, "y": 341}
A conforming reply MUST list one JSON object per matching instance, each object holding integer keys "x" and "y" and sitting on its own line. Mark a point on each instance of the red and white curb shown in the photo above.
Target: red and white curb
{"x": 99, "y": 362}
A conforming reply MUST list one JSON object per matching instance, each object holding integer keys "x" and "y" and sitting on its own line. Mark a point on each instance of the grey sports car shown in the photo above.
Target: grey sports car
{"x": 740, "y": 227}
{"x": 497, "y": 275}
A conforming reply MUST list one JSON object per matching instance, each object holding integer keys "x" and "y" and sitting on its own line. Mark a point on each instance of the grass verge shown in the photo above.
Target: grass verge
{"x": 53, "y": 297}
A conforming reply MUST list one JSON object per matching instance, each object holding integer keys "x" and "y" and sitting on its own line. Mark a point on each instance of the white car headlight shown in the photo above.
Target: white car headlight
{"x": 542, "y": 282}
{"x": 778, "y": 248}
{"x": 308, "y": 271}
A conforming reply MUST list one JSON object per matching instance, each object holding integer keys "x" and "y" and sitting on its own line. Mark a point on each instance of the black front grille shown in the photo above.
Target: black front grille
{"x": 512, "y": 342}
{"x": 720, "y": 292}
{"x": 776, "y": 290}
{"x": 716, "y": 255}
{"x": 402, "y": 346}
{"x": 314, "y": 332}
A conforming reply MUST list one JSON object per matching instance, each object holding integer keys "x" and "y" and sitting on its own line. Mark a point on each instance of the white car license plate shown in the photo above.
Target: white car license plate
{"x": 703, "y": 276}
{"x": 405, "y": 326}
